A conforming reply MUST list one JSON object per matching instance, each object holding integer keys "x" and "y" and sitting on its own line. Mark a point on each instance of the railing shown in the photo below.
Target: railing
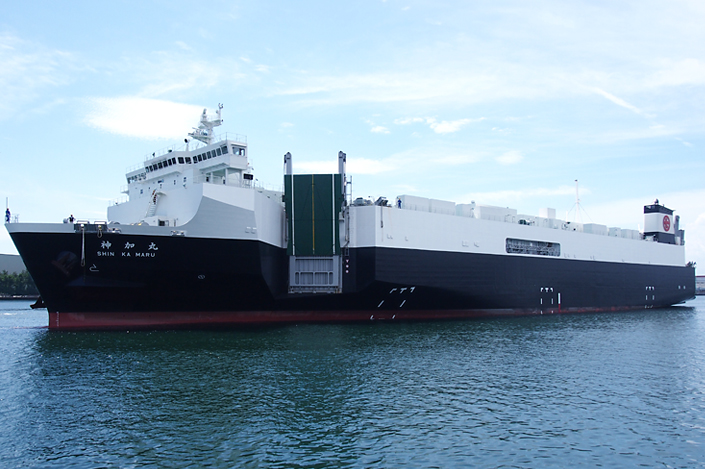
{"x": 215, "y": 180}
{"x": 134, "y": 167}
{"x": 234, "y": 182}
{"x": 118, "y": 201}
{"x": 197, "y": 145}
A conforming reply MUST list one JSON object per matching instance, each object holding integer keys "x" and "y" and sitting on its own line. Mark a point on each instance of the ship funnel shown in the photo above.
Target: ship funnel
{"x": 659, "y": 223}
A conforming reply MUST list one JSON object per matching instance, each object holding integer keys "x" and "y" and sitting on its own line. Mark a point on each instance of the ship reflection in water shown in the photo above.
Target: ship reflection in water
{"x": 584, "y": 390}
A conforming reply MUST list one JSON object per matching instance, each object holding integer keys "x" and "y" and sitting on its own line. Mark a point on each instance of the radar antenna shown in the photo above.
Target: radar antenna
{"x": 204, "y": 132}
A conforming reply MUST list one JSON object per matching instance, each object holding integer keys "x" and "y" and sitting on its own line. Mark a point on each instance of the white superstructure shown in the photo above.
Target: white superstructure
{"x": 435, "y": 225}
{"x": 208, "y": 191}
{"x": 205, "y": 188}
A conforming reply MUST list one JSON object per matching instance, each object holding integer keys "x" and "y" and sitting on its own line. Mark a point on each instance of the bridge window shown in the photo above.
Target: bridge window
{"x": 218, "y": 151}
{"x": 225, "y": 149}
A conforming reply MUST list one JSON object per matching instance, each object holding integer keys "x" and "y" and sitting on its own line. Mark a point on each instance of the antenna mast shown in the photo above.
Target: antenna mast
{"x": 204, "y": 132}
{"x": 577, "y": 203}
{"x": 577, "y": 218}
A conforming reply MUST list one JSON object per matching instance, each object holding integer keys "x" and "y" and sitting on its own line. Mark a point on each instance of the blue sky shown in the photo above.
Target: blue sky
{"x": 501, "y": 102}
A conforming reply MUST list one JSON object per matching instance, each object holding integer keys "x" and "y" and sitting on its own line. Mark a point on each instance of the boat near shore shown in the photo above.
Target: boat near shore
{"x": 198, "y": 243}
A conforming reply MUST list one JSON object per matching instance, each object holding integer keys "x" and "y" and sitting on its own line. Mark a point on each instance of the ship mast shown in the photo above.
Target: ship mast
{"x": 204, "y": 132}
{"x": 577, "y": 218}
{"x": 577, "y": 203}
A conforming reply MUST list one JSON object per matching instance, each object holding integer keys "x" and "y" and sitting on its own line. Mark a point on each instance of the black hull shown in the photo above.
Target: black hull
{"x": 119, "y": 281}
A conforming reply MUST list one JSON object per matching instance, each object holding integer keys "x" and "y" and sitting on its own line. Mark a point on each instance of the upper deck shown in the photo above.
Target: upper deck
{"x": 229, "y": 151}
{"x": 161, "y": 188}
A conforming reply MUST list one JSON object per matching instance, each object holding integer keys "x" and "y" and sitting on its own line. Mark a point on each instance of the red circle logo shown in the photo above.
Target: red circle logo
{"x": 666, "y": 223}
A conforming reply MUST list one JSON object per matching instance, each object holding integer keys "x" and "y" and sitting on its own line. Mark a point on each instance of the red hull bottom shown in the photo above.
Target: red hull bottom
{"x": 183, "y": 320}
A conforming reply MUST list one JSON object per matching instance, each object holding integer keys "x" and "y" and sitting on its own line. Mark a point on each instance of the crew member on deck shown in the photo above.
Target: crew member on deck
{"x": 71, "y": 218}
{"x": 7, "y": 215}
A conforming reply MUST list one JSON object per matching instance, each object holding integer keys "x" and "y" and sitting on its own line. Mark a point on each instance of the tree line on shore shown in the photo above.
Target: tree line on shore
{"x": 17, "y": 284}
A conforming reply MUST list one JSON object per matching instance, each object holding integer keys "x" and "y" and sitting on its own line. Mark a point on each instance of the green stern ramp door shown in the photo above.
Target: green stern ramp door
{"x": 314, "y": 208}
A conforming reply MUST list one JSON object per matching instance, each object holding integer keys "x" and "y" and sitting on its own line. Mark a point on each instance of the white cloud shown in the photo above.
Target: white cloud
{"x": 354, "y": 166}
{"x": 370, "y": 166}
{"x": 675, "y": 73}
{"x": 409, "y": 120}
{"x": 687, "y": 144}
{"x": 510, "y": 157}
{"x": 182, "y": 45}
{"x": 635, "y": 133}
{"x": 456, "y": 159}
{"x": 28, "y": 69}
{"x": 618, "y": 101}
{"x": 414, "y": 86}
{"x": 163, "y": 74}
{"x": 405, "y": 189}
{"x": 512, "y": 198}
{"x": 442, "y": 127}
{"x": 378, "y": 129}
{"x": 143, "y": 118}
{"x": 446, "y": 127}
{"x": 528, "y": 53}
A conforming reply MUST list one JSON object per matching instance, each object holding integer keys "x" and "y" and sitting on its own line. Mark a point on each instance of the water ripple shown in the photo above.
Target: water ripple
{"x": 612, "y": 390}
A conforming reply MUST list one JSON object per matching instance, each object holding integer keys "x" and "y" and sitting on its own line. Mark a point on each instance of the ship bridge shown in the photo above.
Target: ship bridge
{"x": 228, "y": 155}
{"x": 203, "y": 158}
{"x": 221, "y": 159}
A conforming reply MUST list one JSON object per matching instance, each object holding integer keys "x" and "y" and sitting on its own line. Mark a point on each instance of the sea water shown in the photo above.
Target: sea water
{"x": 612, "y": 390}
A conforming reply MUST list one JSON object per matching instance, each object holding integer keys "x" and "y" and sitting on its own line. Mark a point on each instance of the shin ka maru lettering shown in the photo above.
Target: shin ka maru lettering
{"x": 129, "y": 249}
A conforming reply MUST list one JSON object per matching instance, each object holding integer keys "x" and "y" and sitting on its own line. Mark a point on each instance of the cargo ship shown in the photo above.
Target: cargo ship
{"x": 198, "y": 242}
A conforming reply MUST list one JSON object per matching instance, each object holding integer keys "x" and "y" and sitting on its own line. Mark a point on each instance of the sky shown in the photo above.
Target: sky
{"x": 504, "y": 103}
